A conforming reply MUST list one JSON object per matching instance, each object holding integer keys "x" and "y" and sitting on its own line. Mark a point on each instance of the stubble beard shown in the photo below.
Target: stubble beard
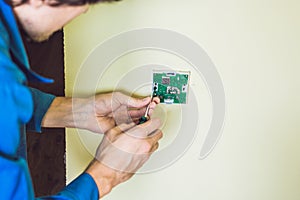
{"x": 32, "y": 34}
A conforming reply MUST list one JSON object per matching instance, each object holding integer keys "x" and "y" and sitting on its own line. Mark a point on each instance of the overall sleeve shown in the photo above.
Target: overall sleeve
{"x": 41, "y": 103}
{"x": 83, "y": 187}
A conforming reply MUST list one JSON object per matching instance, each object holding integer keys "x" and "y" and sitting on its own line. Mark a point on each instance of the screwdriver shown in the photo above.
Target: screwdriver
{"x": 144, "y": 118}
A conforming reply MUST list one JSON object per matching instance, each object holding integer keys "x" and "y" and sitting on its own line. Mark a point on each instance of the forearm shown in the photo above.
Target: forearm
{"x": 66, "y": 112}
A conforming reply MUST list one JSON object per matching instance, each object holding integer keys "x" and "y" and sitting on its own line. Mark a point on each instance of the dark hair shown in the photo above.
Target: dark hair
{"x": 61, "y": 2}
{"x": 80, "y": 2}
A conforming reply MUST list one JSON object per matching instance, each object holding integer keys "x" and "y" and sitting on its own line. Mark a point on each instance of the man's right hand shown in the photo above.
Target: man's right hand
{"x": 123, "y": 150}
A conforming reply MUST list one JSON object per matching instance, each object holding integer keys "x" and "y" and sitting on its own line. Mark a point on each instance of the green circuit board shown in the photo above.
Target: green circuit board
{"x": 171, "y": 87}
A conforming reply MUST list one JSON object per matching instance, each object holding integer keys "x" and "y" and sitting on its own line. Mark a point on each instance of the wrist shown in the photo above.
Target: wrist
{"x": 58, "y": 114}
{"x": 66, "y": 112}
{"x": 103, "y": 176}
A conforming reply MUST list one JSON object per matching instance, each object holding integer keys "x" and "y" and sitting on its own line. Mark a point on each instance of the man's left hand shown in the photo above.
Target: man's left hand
{"x": 98, "y": 113}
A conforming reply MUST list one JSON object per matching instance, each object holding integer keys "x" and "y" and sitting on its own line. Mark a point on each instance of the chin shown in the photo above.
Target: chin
{"x": 38, "y": 37}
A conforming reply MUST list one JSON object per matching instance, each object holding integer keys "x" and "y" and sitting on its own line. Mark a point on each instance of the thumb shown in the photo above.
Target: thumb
{"x": 145, "y": 129}
{"x": 138, "y": 103}
{"x": 133, "y": 102}
{"x": 112, "y": 133}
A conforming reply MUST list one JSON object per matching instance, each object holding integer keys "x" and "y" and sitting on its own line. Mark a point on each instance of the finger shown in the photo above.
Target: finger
{"x": 154, "y": 148}
{"x": 137, "y": 113}
{"x": 143, "y": 130}
{"x": 153, "y": 141}
{"x": 138, "y": 103}
{"x": 105, "y": 124}
{"x": 150, "y": 113}
{"x": 131, "y": 101}
{"x": 141, "y": 112}
{"x": 156, "y": 100}
{"x": 152, "y": 106}
{"x": 136, "y": 120}
{"x": 125, "y": 127}
{"x": 155, "y": 136}
{"x": 112, "y": 133}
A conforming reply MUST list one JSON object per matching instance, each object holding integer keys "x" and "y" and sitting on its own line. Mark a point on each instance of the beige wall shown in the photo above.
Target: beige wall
{"x": 255, "y": 46}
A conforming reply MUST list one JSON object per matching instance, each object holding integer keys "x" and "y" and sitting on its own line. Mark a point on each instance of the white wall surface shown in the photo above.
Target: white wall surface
{"x": 255, "y": 46}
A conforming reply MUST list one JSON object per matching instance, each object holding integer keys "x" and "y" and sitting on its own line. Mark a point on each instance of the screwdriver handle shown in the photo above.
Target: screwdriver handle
{"x": 143, "y": 120}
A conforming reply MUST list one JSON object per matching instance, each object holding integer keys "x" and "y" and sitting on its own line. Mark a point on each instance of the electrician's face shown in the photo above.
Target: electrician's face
{"x": 40, "y": 20}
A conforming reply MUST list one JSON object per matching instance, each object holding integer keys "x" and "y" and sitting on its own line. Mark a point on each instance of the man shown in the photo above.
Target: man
{"x": 125, "y": 147}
